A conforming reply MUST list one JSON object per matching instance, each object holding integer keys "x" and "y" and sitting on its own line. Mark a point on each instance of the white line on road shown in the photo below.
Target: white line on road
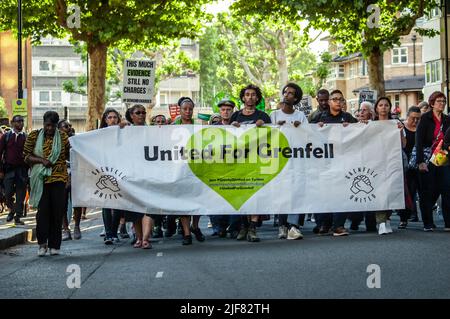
{"x": 159, "y": 274}
{"x": 159, "y": 254}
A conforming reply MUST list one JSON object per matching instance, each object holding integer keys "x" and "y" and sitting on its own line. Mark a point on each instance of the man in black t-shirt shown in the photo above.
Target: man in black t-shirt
{"x": 334, "y": 115}
{"x": 251, "y": 96}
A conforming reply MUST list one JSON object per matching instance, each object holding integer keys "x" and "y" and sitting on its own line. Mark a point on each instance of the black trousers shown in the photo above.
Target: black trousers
{"x": 16, "y": 184}
{"x": 50, "y": 214}
{"x": 432, "y": 184}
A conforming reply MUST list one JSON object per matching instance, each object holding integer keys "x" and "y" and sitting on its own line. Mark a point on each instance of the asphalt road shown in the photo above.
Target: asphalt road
{"x": 413, "y": 264}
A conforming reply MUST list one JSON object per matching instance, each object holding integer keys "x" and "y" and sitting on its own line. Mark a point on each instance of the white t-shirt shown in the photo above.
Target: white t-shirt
{"x": 279, "y": 115}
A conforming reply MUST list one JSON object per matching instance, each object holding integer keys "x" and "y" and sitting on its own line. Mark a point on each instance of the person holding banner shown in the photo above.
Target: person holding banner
{"x": 143, "y": 223}
{"x": 383, "y": 113}
{"x": 112, "y": 217}
{"x": 292, "y": 94}
{"x": 47, "y": 150}
{"x": 186, "y": 113}
{"x": 334, "y": 115}
{"x": 433, "y": 180}
{"x": 251, "y": 95}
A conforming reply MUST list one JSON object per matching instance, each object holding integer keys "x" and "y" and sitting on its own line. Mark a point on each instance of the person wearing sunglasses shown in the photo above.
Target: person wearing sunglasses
{"x": 13, "y": 170}
{"x": 143, "y": 223}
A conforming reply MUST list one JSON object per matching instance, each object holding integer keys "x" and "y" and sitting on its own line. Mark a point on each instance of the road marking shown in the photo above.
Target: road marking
{"x": 159, "y": 274}
{"x": 159, "y": 254}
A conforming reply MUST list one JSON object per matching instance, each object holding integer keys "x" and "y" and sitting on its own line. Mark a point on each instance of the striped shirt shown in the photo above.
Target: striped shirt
{"x": 59, "y": 169}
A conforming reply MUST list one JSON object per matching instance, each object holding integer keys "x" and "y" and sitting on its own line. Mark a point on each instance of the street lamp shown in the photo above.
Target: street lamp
{"x": 19, "y": 54}
{"x": 414, "y": 38}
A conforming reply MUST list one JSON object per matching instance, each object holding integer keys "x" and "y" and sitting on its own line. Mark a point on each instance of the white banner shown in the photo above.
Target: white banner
{"x": 225, "y": 170}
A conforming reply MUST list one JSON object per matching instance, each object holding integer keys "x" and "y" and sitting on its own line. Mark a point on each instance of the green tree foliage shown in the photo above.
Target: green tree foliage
{"x": 236, "y": 51}
{"x": 3, "y": 111}
{"x": 346, "y": 21}
{"x": 105, "y": 24}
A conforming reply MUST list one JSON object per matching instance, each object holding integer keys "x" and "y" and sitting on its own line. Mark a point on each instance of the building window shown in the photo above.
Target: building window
{"x": 56, "y": 96}
{"x": 396, "y": 101}
{"x": 332, "y": 72}
{"x": 44, "y": 66}
{"x": 44, "y": 97}
{"x": 363, "y": 70}
{"x": 341, "y": 71}
{"x": 75, "y": 66}
{"x": 434, "y": 13}
{"x": 400, "y": 56}
{"x": 352, "y": 72}
{"x": 433, "y": 72}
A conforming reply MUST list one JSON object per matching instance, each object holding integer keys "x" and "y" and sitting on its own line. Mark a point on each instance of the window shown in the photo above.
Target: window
{"x": 352, "y": 72}
{"x": 396, "y": 101}
{"x": 44, "y": 96}
{"x": 341, "y": 71}
{"x": 332, "y": 72}
{"x": 44, "y": 66}
{"x": 75, "y": 98}
{"x": 185, "y": 41}
{"x": 433, "y": 72}
{"x": 363, "y": 70}
{"x": 75, "y": 66}
{"x": 400, "y": 56}
{"x": 56, "y": 96}
{"x": 163, "y": 98}
{"x": 434, "y": 13}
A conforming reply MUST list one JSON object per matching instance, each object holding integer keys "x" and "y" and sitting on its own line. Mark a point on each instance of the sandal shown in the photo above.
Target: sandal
{"x": 138, "y": 244}
{"x": 146, "y": 245}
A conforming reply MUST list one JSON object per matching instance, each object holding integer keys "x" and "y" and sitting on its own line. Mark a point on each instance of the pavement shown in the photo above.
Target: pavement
{"x": 411, "y": 264}
{"x": 12, "y": 235}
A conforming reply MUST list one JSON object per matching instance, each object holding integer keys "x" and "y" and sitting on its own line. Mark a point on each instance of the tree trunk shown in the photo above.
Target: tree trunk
{"x": 283, "y": 74}
{"x": 375, "y": 65}
{"x": 97, "y": 79}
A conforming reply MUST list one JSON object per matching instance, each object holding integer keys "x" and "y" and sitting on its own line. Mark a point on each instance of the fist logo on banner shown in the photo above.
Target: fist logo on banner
{"x": 361, "y": 187}
{"x": 108, "y": 182}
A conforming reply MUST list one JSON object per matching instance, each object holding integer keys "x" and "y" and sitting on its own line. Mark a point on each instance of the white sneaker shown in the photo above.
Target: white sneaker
{"x": 54, "y": 252}
{"x": 294, "y": 233}
{"x": 42, "y": 251}
{"x": 282, "y": 232}
{"x": 388, "y": 227}
{"x": 382, "y": 229}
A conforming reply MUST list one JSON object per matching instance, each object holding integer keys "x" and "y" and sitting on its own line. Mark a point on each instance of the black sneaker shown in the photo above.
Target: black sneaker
{"x": 9, "y": 218}
{"x": 402, "y": 225}
{"x": 198, "y": 234}
{"x": 18, "y": 222}
{"x": 108, "y": 241}
{"x": 187, "y": 240}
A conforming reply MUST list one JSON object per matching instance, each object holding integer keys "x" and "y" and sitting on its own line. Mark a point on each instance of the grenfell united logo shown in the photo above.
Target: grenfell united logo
{"x": 108, "y": 183}
{"x": 361, "y": 187}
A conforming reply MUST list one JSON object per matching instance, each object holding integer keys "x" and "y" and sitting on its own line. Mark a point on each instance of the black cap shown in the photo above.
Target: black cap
{"x": 226, "y": 102}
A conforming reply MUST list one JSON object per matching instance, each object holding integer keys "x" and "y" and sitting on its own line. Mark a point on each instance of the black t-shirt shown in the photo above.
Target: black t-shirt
{"x": 239, "y": 117}
{"x": 410, "y": 141}
{"x": 327, "y": 117}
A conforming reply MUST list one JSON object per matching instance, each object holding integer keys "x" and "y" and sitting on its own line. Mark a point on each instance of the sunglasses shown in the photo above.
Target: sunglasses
{"x": 112, "y": 117}
{"x": 140, "y": 113}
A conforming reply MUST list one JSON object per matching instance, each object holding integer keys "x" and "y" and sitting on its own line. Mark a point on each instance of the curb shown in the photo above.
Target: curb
{"x": 17, "y": 236}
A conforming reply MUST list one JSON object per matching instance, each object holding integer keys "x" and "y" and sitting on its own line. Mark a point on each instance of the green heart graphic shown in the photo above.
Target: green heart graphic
{"x": 236, "y": 168}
